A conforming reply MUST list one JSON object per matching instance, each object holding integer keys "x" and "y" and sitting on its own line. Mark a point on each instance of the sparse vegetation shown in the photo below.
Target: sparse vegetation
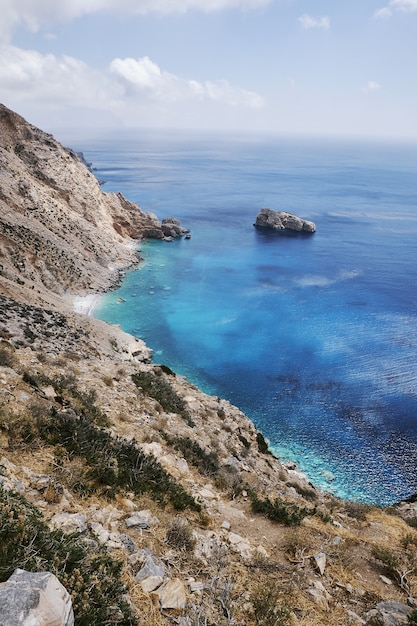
{"x": 262, "y": 443}
{"x": 180, "y": 535}
{"x": 154, "y": 384}
{"x": 268, "y": 607}
{"x": 90, "y": 574}
{"x": 280, "y": 511}
{"x": 206, "y": 462}
{"x": 113, "y": 464}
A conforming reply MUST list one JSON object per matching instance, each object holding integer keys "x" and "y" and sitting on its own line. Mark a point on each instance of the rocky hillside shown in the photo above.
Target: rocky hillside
{"x": 58, "y": 230}
{"x": 151, "y": 502}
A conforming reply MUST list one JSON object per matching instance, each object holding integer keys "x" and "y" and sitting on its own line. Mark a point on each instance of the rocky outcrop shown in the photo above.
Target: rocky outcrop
{"x": 58, "y": 230}
{"x": 34, "y": 599}
{"x": 171, "y": 228}
{"x": 281, "y": 220}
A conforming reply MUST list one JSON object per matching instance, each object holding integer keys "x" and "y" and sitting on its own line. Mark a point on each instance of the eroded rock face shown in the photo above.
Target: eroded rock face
{"x": 34, "y": 599}
{"x": 58, "y": 229}
{"x": 281, "y": 220}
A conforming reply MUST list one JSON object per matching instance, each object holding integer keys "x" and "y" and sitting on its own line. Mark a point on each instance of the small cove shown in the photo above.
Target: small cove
{"x": 313, "y": 337}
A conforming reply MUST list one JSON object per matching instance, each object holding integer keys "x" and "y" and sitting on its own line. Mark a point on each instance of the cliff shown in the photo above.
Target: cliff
{"x": 58, "y": 231}
{"x": 150, "y": 501}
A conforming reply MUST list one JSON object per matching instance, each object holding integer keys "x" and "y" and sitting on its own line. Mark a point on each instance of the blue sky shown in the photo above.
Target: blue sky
{"x": 321, "y": 67}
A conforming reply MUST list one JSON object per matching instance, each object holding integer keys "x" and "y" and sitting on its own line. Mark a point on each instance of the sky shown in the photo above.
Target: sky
{"x": 305, "y": 67}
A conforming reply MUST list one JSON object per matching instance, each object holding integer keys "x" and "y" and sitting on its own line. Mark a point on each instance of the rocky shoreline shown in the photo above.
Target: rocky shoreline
{"x": 147, "y": 500}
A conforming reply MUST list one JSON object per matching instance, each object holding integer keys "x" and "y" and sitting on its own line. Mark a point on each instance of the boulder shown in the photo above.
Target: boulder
{"x": 171, "y": 227}
{"x": 150, "y": 565}
{"x": 172, "y": 595}
{"x": 141, "y": 519}
{"x": 34, "y": 599}
{"x": 69, "y": 522}
{"x": 388, "y": 614}
{"x": 281, "y": 220}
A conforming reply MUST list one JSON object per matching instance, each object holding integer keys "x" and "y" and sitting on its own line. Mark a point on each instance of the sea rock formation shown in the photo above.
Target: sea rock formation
{"x": 281, "y": 220}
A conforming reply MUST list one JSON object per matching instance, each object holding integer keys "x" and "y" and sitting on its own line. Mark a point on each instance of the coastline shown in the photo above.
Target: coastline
{"x": 85, "y": 304}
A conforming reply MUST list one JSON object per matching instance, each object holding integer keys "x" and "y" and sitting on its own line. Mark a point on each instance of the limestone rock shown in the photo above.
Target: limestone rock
{"x": 388, "y": 614}
{"x": 151, "y": 583}
{"x": 34, "y": 599}
{"x": 320, "y": 562}
{"x": 281, "y": 220}
{"x": 172, "y": 595}
{"x": 69, "y": 522}
{"x": 171, "y": 227}
{"x": 320, "y": 595}
{"x": 141, "y": 519}
{"x": 150, "y": 565}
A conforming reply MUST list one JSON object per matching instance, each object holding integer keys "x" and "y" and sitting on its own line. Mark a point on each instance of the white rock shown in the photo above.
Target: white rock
{"x": 320, "y": 561}
{"x": 172, "y": 594}
{"x": 35, "y": 599}
{"x": 69, "y": 522}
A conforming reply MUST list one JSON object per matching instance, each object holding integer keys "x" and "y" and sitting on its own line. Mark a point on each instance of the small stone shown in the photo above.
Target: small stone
{"x": 195, "y": 586}
{"x": 141, "y": 519}
{"x": 320, "y": 561}
{"x": 385, "y": 580}
{"x": 151, "y": 565}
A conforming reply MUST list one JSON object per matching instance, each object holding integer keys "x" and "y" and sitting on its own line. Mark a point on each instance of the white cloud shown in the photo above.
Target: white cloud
{"x": 143, "y": 78}
{"x": 308, "y": 22}
{"x": 28, "y": 75}
{"x": 127, "y": 86}
{"x": 403, "y": 6}
{"x": 372, "y": 86}
{"x": 32, "y": 15}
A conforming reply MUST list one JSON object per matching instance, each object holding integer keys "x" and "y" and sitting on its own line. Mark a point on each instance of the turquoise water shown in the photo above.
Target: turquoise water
{"x": 314, "y": 337}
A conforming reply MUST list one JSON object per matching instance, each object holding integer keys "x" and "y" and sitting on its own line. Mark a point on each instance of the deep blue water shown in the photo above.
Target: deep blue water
{"x": 314, "y": 337}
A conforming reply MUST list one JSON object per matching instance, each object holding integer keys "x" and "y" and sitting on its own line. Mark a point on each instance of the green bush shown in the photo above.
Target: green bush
{"x": 280, "y": 511}
{"x": 113, "y": 462}
{"x": 153, "y": 384}
{"x": 268, "y": 608}
{"x": 262, "y": 444}
{"x": 206, "y": 463}
{"x": 90, "y": 575}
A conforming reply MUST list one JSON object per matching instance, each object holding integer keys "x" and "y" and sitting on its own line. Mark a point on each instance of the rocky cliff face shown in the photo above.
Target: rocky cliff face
{"x": 58, "y": 230}
{"x": 150, "y": 501}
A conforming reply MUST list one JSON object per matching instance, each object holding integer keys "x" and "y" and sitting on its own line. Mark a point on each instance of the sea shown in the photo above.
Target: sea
{"x": 312, "y": 336}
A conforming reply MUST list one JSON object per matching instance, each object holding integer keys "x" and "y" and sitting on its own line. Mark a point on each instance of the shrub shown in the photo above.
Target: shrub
{"x": 357, "y": 510}
{"x": 280, "y": 511}
{"x": 91, "y": 576}
{"x": 180, "y": 535}
{"x": 262, "y": 444}
{"x": 268, "y": 608}
{"x": 306, "y": 492}
{"x": 206, "y": 462}
{"x": 7, "y": 358}
{"x": 113, "y": 462}
{"x": 20, "y": 428}
{"x": 153, "y": 384}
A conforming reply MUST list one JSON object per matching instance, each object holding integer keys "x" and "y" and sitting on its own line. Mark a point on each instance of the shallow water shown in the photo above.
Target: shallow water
{"x": 313, "y": 336}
